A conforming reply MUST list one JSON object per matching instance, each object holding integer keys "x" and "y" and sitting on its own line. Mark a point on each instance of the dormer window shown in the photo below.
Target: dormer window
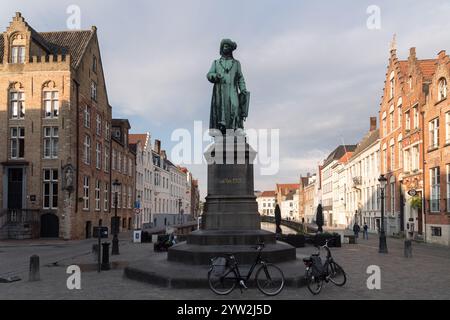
{"x": 18, "y": 54}
{"x": 442, "y": 94}
{"x": 18, "y": 49}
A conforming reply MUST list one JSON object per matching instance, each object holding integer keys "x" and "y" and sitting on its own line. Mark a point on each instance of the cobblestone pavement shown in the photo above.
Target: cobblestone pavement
{"x": 425, "y": 276}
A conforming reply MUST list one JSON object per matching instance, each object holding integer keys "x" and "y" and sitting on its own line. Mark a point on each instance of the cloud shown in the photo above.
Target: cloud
{"x": 314, "y": 70}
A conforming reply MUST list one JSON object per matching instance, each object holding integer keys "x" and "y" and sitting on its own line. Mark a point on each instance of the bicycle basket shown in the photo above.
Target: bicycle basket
{"x": 219, "y": 265}
{"x": 317, "y": 266}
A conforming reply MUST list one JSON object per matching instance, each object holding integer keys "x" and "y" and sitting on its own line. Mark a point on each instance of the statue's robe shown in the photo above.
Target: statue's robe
{"x": 225, "y": 99}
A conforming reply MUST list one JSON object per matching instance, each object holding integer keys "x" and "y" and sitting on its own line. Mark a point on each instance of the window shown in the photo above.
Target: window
{"x": 448, "y": 187}
{"x": 392, "y": 198}
{"x": 87, "y": 117}
{"x": 107, "y": 132}
{"x": 410, "y": 83}
{"x": 415, "y": 158}
{"x": 435, "y": 189}
{"x": 434, "y": 133}
{"x": 50, "y": 189}
{"x": 119, "y": 166}
{"x": 51, "y": 140}
{"x": 129, "y": 197}
{"x": 407, "y": 160}
{"x": 18, "y": 54}
{"x": 97, "y": 195}
{"x": 87, "y": 149}
{"x": 17, "y": 143}
{"x": 407, "y": 121}
{"x": 399, "y": 115}
{"x": 391, "y": 85}
{"x": 384, "y": 127}
{"x": 436, "y": 231}
{"x": 85, "y": 193}
{"x": 442, "y": 94}
{"x": 99, "y": 125}
{"x": 391, "y": 118}
{"x": 93, "y": 91}
{"x": 400, "y": 155}
{"x": 119, "y": 196}
{"x": 447, "y": 127}
{"x": 106, "y": 166}
{"x": 392, "y": 167}
{"x": 374, "y": 199}
{"x": 416, "y": 118}
{"x": 106, "y": 197}
{"x": 51, "y": 104}
{"x": 94, "y": 64}
{"x": 98, "y": 155}
{"x": 114, "y": 159}
{"x": 17, "y": 105}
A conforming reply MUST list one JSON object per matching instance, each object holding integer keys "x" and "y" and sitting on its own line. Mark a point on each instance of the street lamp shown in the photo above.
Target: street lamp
{"x": 115, "y": 242}
{"x": 138, "y": 211}
{"x": 382, "y": 245}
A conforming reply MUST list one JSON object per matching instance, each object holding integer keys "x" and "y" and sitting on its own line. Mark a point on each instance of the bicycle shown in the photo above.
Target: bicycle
{"x": 316, "y": 272}
{"x": 224, "y": 275}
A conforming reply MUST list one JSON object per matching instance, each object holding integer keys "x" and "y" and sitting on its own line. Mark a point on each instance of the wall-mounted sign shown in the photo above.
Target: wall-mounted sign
{"x": 33, "y": 198}
{"x": 412, "y": 192}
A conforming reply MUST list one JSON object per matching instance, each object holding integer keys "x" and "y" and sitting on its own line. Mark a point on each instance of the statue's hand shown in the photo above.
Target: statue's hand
{"x": 219, "y": 78}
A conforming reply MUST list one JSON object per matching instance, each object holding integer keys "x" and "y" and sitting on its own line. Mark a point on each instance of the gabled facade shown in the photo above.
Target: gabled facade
{"x": 54, "y": 113}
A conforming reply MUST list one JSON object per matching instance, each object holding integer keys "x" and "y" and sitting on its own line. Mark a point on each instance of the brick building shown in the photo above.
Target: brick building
{"x": 54, "y": 115}
{"x": 437, "y": 154}
{"x": 401, "y": 140}
{"x": 124, "y": 172}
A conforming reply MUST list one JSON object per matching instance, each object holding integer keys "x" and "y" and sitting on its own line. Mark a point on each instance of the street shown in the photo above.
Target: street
{"x": 425, "y": 276}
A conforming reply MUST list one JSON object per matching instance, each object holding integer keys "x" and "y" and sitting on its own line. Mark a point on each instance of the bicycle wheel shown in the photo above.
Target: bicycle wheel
{"x": 222, "y": 284}
{"x": 270, "y": 279}
{"x": 313, "y": 283}
{"x": 337, "y": 274}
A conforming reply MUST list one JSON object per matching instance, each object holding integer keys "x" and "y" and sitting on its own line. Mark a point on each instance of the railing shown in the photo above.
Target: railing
{"x": 297, "y": 226}
{"x": 18, "y": 216}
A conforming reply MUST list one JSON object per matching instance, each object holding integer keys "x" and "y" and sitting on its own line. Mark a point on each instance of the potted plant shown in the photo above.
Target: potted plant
{"x": 416, "y": 203}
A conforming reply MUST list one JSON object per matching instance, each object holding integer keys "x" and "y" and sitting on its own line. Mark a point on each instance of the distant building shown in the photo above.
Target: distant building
{"x": 330, "y": 189}
{"x": 266, "y": 203}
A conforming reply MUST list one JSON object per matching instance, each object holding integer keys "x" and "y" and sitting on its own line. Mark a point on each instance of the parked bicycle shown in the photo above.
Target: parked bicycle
{"x": 224, "y": 275}
{"x": 316, "y": 272}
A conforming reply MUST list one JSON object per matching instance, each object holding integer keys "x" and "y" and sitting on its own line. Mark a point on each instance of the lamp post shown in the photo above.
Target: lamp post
{"x": 138, "y": 213}
{"x": 382, "y": 245}
{"x": 115, "y": 242}
{"x": 180, "y": 203}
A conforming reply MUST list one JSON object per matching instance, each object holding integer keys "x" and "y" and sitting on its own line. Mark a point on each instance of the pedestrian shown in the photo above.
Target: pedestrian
{"x": 356, "y": 229}
{"x": 366, "y": 232}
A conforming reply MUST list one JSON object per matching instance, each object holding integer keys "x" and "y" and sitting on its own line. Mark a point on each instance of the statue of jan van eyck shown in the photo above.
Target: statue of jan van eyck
{"x": 230, "y": 99}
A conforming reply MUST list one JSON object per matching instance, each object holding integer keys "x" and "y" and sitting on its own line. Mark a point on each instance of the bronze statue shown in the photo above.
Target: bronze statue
{"x": 230, "y": 99}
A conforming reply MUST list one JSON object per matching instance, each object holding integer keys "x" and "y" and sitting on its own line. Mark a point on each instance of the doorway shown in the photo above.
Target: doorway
{"x": 15, "y": 188}
{"x": 49, "y": 226}
{"x": 88, "y": 229}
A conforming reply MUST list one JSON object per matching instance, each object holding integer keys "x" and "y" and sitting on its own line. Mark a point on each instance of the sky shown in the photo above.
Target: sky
{"x": 314, "y": 69}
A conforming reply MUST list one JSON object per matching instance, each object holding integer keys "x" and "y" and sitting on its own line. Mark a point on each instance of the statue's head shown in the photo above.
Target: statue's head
{"x": 227, "y": 47}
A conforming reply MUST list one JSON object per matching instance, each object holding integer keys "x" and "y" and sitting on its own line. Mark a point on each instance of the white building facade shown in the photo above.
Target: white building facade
{"x": 266, "y": 203}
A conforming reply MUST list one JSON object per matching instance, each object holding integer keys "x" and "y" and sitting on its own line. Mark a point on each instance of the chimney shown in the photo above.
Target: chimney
{"x": 373, "y": 124}
{"x": 158, "y": 146}
{"x": 163, "y": 154}
{"x": 441, "y": 54}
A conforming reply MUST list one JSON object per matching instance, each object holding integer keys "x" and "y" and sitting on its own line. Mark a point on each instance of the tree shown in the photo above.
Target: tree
{"x": 319, "y": 218}
{"x": 278, "y": 219}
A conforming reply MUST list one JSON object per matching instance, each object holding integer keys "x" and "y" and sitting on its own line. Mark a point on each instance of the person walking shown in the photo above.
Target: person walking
{"x": 356, "y": 230}
{"x": 366, "y": 232}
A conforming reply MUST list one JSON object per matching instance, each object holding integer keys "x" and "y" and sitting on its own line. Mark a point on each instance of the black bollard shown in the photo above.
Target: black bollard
{"x": 105, "y": 256}
{"x": 408, "y": 249}
{"x": 34, "y": 274}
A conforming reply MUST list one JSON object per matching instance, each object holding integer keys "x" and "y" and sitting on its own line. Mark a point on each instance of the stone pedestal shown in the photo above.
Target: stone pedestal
{"x": 231, "y": 222}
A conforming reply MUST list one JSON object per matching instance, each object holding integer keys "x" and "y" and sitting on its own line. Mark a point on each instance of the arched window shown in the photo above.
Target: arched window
{"x": 442, "y": 94}
{"x": 16, "y": 101}
{"x": 17, "y": 51}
